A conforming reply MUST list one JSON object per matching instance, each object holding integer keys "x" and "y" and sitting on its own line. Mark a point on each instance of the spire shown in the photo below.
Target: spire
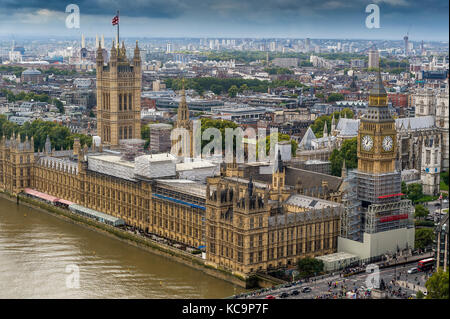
{"x": 103, "y": 42}
{"x": 137, "y": 51}
{"x": 250, "y": 187}
{"x": 123, "y": 51}
{"x": 48, "y": 145}
{"x": 183, "y": 110}
{"x": 113, "y": 51}
{"x": 82, "y": 41}
{"x": 279, "y": 164}
{"x": 325, "y": 129}
{"x": 344, "y": 170}
{"x": 333, "y": 124}
{"x": 378, "y": 88}
{"x": 97, "y": 43}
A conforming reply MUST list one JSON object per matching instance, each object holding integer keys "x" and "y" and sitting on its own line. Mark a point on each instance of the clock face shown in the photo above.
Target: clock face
{"x": 367, "y": 142}
{"x": 388, "y": 143}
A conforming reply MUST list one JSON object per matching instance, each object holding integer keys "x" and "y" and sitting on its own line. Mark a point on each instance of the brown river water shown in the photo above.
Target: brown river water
{"x": 42, "y": 256}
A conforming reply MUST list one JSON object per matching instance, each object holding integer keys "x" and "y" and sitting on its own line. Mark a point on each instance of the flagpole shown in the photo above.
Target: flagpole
{"x": 118, "y": 22}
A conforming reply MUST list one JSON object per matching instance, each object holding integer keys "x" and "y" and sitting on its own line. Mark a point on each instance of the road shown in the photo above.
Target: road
{"x": 321, "y": 289}
{"x": 434, "y": 210}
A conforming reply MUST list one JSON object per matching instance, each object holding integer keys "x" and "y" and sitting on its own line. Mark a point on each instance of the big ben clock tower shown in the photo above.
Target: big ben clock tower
{"x": 385, "y": 220}
{"x": 377, "y": 135}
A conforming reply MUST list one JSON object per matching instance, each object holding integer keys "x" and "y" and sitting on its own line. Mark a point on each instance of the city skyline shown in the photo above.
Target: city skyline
{"x": 272, "y": 19}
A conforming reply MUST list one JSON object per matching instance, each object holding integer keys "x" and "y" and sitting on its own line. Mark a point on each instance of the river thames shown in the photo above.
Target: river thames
{"x": 36, "y": 249}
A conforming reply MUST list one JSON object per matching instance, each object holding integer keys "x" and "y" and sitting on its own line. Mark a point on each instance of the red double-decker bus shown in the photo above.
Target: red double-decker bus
{"x": 425, "y": 264}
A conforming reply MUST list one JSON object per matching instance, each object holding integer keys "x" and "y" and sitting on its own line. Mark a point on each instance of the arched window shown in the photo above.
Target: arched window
{"x": 130, "y": 101}
{"x": 130, "y": 132}
{"x": 125, "y": 102}
{"x": 120, "y": 102}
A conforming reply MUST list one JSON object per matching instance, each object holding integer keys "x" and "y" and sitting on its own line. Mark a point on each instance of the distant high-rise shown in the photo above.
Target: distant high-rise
{"x": 273, "y": 46}
{"x": 405, "y": 38}
{"x": 169, "y": 47}
{"x": 307, "y": 44}
{"x": 374, "y": 59}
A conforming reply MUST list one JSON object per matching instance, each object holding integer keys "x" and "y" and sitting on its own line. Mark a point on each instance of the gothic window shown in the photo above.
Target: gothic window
{"x": 428, "y": 157}
{"x": 130, "y": 132}
{"x": 120, "y": 102}
{"x": 130, "y": 101}
{"x": 125, "y": 102}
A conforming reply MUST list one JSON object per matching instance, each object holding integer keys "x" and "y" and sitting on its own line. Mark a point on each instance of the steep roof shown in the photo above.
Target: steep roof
{"x": 305, "y": 143}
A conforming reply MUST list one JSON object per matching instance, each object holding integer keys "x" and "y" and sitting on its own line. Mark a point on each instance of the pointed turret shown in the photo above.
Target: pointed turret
{"x": 279, "y": 164}
{"x": 344, "y": 170}
{"x": 333, "y": 124}
{"x": 48, "y": 145}
{"x": 378, "y": 88}
{"x": 183, "y": 110}
{"x": 113, "y": 52}
{"x": 325, "y": 129}
{"x": 250, "y": 187}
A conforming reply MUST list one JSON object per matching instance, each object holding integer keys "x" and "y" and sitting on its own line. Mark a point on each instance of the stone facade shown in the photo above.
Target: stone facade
{"x": 119, "y": 96}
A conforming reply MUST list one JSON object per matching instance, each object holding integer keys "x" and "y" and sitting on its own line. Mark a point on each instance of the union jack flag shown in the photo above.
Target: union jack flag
{"x": 115, "y": 20}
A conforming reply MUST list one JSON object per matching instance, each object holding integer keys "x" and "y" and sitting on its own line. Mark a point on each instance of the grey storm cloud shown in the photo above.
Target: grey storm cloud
{"x": 176, "y": 8}
{"x": 425, "y": 18}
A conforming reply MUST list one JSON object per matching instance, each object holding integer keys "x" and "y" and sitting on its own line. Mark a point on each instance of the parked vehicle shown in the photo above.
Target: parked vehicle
{"x": 306, "y": 289}
{"x": 270, "y": 297}
{"x": 294, "y": 293}
{"x": 284, "y": 295}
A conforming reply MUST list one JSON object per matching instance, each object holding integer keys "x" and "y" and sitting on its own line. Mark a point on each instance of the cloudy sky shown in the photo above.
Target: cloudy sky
{"x": 344, "y": 19}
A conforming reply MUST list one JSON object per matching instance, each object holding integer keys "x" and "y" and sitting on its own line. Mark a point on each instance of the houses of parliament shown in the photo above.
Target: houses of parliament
{"x": 251, "y": 217}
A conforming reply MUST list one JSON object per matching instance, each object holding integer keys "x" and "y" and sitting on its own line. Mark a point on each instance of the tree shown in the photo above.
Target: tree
{"x": 437, "y": 285}
{"x": 217, "y": 89}
{"x": 404, "y": 190}
{"x": 347, "y": 152}
{"x": 243, "y": 88}
{"x": 59, "y": 105}
{"x": 421, "y": 211}
{"x": 281, "y": 137}
{"x": 414, "y": 192}
{"x": 308, "y": 267}
{"x": 424, "y": 238}
{"x": 333, "y": 97}
{"x": 145, "y": 135}
{"x": 220, "y": 125}
{"x": 233, "y": 90}
{"x": 420, "y": 295}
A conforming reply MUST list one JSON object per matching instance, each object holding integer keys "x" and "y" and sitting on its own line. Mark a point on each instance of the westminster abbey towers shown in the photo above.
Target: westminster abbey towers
{"x": 118, "y": 96}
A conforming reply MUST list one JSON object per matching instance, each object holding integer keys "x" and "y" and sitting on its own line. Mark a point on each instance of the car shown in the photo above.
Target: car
{"x": 413, "y": 270}
{"x": 294, "y": 292}
{"x": 284, "y": 295}
{"x": 306, "y": 289}
{"x": 270, "y": 297}
{"x": 288, "y": 285}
